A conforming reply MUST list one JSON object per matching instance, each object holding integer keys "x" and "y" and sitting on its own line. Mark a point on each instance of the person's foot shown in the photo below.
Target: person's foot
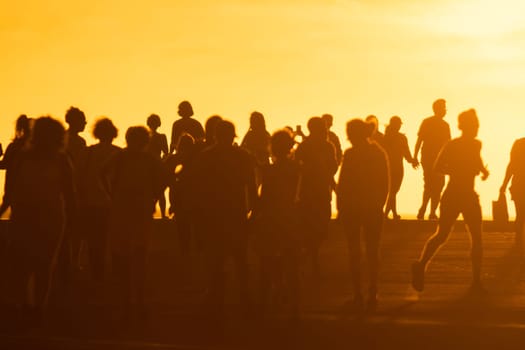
{"x": 432, "y": 216}
{"x": 397, "y": 217}
{"x": 421, "y": 214}
{"x": 418, "y": 276}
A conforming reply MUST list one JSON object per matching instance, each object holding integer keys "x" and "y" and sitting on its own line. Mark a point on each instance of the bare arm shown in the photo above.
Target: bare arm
{"x": 417, "y": 148}
{"x": 164, "y": 146}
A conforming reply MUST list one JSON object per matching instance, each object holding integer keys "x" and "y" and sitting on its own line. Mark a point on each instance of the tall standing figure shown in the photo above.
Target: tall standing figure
{"x": 225, "y": 192}
{"x": 41, "y": 195}
{"x": 94, "y": 198}
{"x": 135, "y": 180}
{"x": 361, "y": 195}
{"x": 516, "y": 172}
{"x": 277, "y": 214}
{"x": 317, "y": 159}
{"x": 434, "y": 132}
{"x": 461, "y": 160}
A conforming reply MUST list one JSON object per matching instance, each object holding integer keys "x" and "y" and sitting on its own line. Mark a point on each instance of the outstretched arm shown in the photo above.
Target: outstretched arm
{"x": 419, "y": 141}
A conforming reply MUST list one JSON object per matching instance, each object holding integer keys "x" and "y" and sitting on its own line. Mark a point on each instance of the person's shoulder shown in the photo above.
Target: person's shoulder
{"x": 428, "y": 120}
{"x": 519, "y": 142}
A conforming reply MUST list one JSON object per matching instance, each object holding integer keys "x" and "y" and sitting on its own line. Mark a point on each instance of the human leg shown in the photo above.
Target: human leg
{"x": 473, "y": 219}
{"x": 373, "y": 227}
{"x": 449, "y": 212}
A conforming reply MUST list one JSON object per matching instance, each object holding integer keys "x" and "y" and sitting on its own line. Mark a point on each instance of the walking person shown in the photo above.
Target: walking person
{"x": 460, "y": 159}
{"x": 361, "y": 194}
{"x": 433, "y": 133}
{"x": 396, "y": 147}
{"x": 516, "y": 172}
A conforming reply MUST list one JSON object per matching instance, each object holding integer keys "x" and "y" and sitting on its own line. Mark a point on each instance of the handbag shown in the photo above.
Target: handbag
{"x": 500, "y": 212}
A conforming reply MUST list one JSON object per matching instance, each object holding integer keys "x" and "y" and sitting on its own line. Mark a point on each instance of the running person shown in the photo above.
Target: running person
{"x": 461, "y": 160}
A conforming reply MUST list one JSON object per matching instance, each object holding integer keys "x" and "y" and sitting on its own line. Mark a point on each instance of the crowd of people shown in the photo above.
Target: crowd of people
{"x": 65, "y": 196}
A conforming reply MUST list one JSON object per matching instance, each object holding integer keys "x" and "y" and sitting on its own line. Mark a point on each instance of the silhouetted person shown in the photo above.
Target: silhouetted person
{"x": 136, "y": 180}
{"x": 210, "y": 127}
{"x": 225, "y": 192}
{"x": 75, "y": 147}
{"x": 377, "y": 135}
{"x": 516, "y": 172}
{"x": 94, "y": 197}
{"x": 257, "y": 140}
{"x": 13, "y": 151}
{"x": 278, "y": 216}
{"x": 179, "y": 166}
{"x": 41, "y": 194}
{"x": 158, "y": 147}
{"x": 75, "y": 144}
{"x": 396, "y": 146}
{"x": 333, "y": 138}
{"x": 461, "y": 160}
{"x": 361, "y": 194}
{"x": 316, "y": 155}
{"x": 433, "y": 133}
{"x": 185, "y": 125}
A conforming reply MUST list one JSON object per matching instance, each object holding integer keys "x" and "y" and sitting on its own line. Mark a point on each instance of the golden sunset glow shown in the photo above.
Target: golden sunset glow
{"x": 288, "y": 59}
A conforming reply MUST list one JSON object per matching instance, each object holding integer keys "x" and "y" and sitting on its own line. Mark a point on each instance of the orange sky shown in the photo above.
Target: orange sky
{"x": 288, "y": 59}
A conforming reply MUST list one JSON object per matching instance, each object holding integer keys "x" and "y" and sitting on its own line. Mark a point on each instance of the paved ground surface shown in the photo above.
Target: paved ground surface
{"x": 444, "y": 315}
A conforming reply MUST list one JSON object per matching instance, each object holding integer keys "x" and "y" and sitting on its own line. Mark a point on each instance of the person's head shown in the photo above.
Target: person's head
{"x": 185, "y": 109}
{"x": 186, "y": 143}
{"x": 257, "y": 122}
{"x": 328, "y": 120}
{"x": 137, "y": 138}
{"x": 317, "y": 128}
{"x": 22, "y": 127}
{"x": 281, "y": 144}
{"x": 47, "y": 135}
{"x": 104, "y": 130}
{"x": 439, "y": 107}
{"x": 358, "y": 131}
{"x": 468, "y": 123}
{"x": 395, "y": 124}
{"x": 153, "y": 122}
{"x": 374, "y": 121}
{"x": 225, "y": 133}
{"x": 76, "y": 119}
{"x": 210, "y": 127}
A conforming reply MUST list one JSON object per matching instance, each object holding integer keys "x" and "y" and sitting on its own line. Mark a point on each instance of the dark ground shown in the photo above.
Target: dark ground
{"x": 445, "y": 315}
